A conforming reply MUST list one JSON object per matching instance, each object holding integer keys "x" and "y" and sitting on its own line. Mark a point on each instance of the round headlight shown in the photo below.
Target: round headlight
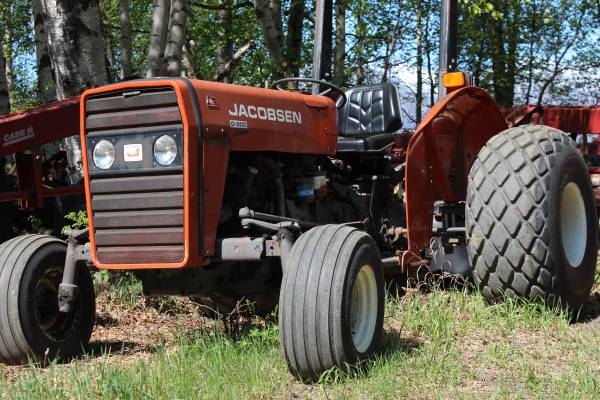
{"x": 104, "y": 154}
{"x": 165, "y": 150}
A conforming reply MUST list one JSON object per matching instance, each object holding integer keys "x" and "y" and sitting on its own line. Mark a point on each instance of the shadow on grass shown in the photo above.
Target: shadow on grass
{"x": 394, "y": 342}
{"x": 107, "y": 347}
{"x": 590, "y": 312}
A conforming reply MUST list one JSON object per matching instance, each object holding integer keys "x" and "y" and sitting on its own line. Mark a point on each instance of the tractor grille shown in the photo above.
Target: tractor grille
{"x": 138, "y": 215}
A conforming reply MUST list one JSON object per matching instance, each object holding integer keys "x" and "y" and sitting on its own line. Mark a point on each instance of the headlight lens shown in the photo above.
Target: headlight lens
{"x": 165, "y": 150}
{"x": 104, "y": 154}
{"x": 595, "y": 179}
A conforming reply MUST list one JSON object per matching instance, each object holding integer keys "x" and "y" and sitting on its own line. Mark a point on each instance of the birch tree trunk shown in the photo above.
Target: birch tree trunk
{"x": 225, "y": 46}
{"x": 75, "y": 42}
{"x": 7, "y": 21}
{"x": 45, "y": 83}
{"x": 340, "y": 43}
{"x": 294, "y": 37}
{"x": 272, "y": 34}
{"x": 74, "y": 33}
{"x": 158, "y": 37}
{"x": 125, "y": 57}
{"x": 187, "y": 59}
{"x": 360, "y": 38}
{"x": 428, "y": 50}
{"x": 4, "y": 96}
{"x": 180, "y": 10}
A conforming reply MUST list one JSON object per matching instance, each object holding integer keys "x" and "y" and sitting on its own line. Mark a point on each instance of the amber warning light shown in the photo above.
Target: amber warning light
{"x": 454, "y": 80}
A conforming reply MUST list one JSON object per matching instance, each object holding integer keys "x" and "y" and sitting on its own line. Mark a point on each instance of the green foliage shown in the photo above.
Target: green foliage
{"x": 78, "y": 220}
{"x": 36, "y": 223}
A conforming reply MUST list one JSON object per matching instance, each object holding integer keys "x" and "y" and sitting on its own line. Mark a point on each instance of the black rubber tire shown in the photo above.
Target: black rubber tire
{"x": 315, "y": 300}
{"x": 28, "y": 264}
{"x": 513, "y": 219}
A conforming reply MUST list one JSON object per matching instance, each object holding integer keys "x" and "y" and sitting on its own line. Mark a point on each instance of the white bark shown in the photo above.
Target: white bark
{"x": 187, "y": 59}
{"x": 180, "y": 10}
{"x": 126, "y": 66}
{"x": 158, "y": 37}
{"x": 272, "y": 35}
{"x": 4, "y": 97}
{"x": 75, "y": 41}
{"x": 45, "y": 83}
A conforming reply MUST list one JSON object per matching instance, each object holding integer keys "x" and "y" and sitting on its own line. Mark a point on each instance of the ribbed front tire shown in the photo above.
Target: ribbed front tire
{"x": 331, "y": 301}
{"x": 31, "y": 327}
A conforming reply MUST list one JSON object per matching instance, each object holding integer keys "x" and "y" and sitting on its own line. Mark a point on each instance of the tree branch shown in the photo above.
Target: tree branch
{"x": 559, "y": 59}
{"x": 228, "y": 65}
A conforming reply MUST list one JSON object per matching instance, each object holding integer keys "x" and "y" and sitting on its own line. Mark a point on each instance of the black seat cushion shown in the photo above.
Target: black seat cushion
{"x": 373, "y": 143}
{"x": 370, "y": 110}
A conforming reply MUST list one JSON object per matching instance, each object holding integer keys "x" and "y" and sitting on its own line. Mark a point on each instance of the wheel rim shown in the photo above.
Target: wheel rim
{"x": 573, "y": 224}
{"x": 54, "y": 324}
{"x": 363, "y": 308}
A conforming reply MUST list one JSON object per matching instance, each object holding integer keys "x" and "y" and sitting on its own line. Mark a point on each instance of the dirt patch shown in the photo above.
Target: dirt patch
{"x": 156, "y": 322}
{"x": 124, "y": 334}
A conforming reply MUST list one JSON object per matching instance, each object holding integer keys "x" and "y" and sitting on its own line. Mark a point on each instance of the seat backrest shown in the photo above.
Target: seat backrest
{"x": 370, "y": 110}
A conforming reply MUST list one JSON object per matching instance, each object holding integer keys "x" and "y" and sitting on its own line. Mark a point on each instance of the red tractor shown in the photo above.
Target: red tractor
{"x": 229, "y": 192}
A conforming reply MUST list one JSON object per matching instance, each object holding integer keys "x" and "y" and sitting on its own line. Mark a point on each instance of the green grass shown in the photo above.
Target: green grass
{"x": 445, "y": 344}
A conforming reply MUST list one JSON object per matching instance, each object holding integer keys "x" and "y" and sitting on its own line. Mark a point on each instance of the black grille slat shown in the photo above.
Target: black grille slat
{"x": 137, "y": 201}
{"x": 140, "y": 254}
{"x": 137, "y": 219}
{"x": 143, "y": 100}
{"x": 131, "y": 184}
{"x": 134, "y": 118}
{"x": 144, "y": 236}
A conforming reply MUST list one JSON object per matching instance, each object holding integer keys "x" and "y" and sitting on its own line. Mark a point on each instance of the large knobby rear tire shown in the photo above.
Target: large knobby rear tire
{"x": 531, "y": 218}
{"x": 31, "y": 327}
{"x": 331, "y": 301}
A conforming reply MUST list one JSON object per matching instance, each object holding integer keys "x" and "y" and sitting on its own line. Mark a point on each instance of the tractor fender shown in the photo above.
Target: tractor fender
{"x": 440, "y": 154}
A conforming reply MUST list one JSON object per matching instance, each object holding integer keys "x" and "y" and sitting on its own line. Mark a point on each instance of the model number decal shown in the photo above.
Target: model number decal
{"x": 238, "y": 124}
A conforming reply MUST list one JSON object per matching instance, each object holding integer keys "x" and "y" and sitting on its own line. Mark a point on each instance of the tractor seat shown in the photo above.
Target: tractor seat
{"x": 369, "y": 118}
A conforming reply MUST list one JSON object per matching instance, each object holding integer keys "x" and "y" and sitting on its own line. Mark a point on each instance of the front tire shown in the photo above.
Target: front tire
{"x": 331, "y": 302}
{"x": 531, "y": 218}
{"x": 31, "y": 327}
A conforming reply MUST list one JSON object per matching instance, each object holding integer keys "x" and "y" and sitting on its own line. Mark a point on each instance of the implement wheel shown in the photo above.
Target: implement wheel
{"x": 331, "y": 301}
{"x": 31, "y": 326}
{"x": 531, "y": 218}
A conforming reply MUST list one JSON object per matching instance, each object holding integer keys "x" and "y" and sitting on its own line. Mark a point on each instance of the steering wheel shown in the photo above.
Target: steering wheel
{"x": 340, "y": 97}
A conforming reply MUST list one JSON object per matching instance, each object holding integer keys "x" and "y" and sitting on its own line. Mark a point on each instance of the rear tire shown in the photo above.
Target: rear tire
{"x": 31, "y": 327}
{"x": 331, "y": 301}
{"x": 531, "y": 218}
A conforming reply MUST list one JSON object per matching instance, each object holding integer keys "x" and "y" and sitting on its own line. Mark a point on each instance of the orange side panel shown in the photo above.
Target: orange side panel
{"x": 244, "y": 119}
{"x": 255, "y": 119}
{"x": 440, "y": 155}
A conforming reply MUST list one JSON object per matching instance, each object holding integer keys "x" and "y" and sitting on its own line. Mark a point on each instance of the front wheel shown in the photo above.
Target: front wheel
{"x": 331, "y": 301}
{"x": 31, "y": 326}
